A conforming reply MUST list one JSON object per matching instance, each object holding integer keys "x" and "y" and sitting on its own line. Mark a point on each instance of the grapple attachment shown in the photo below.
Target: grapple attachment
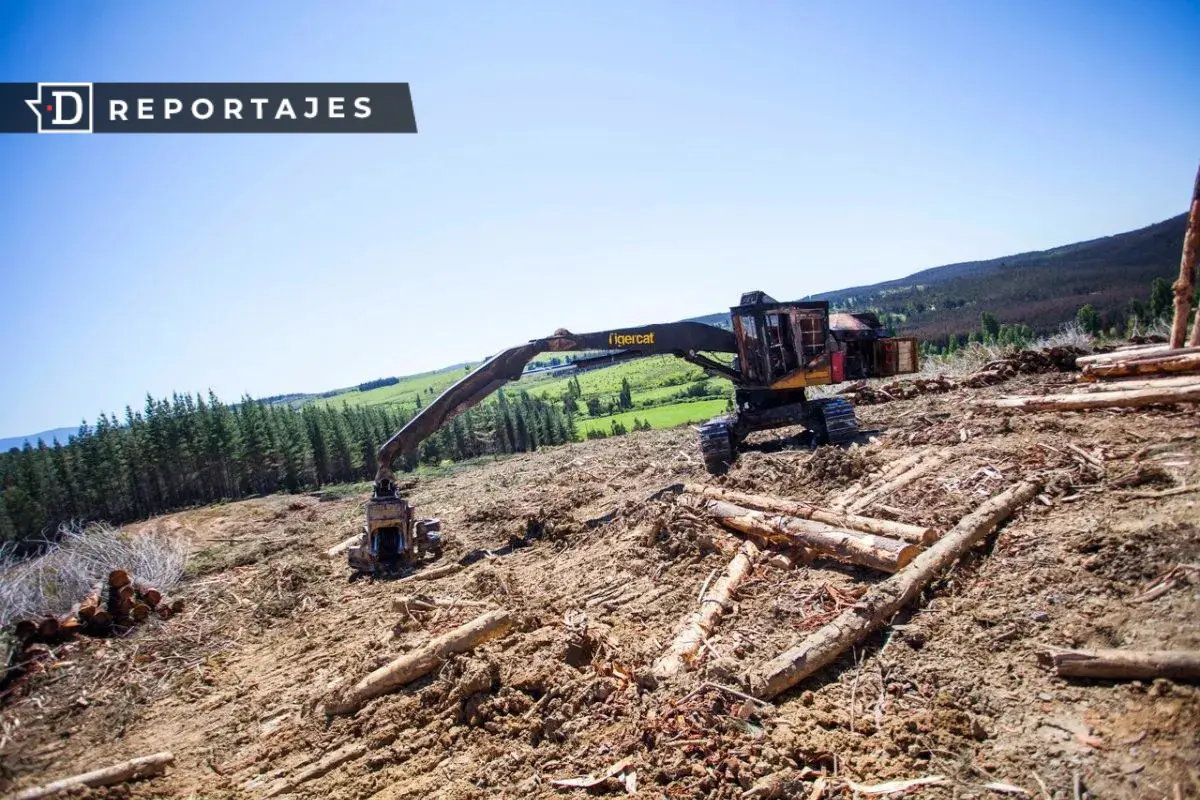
{"x": 393, "y": 539}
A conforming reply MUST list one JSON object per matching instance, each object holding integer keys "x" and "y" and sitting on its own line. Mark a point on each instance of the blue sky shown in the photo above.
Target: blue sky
{"x": 582, "y": 165}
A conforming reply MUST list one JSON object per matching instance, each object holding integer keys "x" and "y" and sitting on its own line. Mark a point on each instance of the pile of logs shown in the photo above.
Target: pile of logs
{"x": 1050, "y": 359}
{"x": 120, "y": 601}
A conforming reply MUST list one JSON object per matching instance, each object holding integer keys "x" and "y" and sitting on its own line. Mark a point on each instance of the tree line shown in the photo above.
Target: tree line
{"x": 191, "y": 450}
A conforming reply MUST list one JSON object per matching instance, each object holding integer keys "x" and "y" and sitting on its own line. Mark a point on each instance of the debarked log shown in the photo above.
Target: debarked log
{"x": 1137, "y": 398}
{"x": 868, "y": 550}
{"x": 877, "y": 606}
{"x": 702, "y": 621}
{"x": 420, "y": 662}
{"x": 916, "y": 534}
{"x": 144, "y": 767}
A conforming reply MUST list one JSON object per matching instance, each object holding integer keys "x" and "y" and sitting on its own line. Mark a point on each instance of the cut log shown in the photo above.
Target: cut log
{"x": 432, "y": 574}
{"x": 877, "y": 552}
{"x": 148, "y": 594}
{"x": 118, "y": 577}
{"x": 1136, "y": 383}
{"x": 47, "y": 627}
{"x": 914, "y": 473}
{"x": 1181, "y": 361}
{"x": 1185, "y": 286}
{"x": 423, "y": 603}
{"x": 25, "y": 629}
{"x": 139, "y": 612}
{"x": 144, "y": 767}
{"x": 92, "y": 601}
{"x": 1137, "y": 398}
{"x": 1122, "y": 353}
{"x": 100, "y": 619}
{"x": 169, "y": 607}
{"x": 1127, "y": 664}
{"x": 342, "y": 547}
{"x": 420, "y": 662}
{"x": 856, "y": 490}
{"x": 700, "y": 624}
{"x": 840, "y": 519}
{"x": 877, "y": 606}
{"x": 335, "y": 759}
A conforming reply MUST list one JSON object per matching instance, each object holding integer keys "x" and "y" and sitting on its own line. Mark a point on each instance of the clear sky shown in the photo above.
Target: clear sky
{"x": 579, "y": 164}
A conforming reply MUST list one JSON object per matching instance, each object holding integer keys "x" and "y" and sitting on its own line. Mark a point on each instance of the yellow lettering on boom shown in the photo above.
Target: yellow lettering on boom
{"x": 627, "y": 339}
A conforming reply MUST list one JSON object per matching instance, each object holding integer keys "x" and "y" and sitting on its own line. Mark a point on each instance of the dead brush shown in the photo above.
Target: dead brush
{"x": 68, "y": 565}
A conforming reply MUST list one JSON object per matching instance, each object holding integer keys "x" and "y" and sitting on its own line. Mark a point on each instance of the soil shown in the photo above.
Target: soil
{"x": 233, "y": 687}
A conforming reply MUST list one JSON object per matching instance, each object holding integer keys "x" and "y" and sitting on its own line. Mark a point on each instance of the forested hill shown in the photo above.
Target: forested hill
{"x": 1040, "y": 289}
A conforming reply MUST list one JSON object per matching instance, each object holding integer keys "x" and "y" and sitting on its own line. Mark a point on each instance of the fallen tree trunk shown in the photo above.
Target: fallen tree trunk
{"x": 118, "y": 577}
{"x": 1137, "y": 398}
{"x": 877, "y": 606}
{"x": 1185, "y": 286}
{"x": 910, "y": 475}
{"x": 419, "y": 662}
{"x": 342, "y": 547}
{"x": 432, "y": 574}
{"x": 700, "y": 624}
{"x": 855, "y": 490}
{"x": 1169, "y": 363}
{"x": 877, "y": 552}
{"x": 422, "y": 603}
{"x": 144, "y": 767}
{"x": 1127, "y": 664}
{"x": 168, "y": 607}
{"x": 840, "y": 519}
{"x": 1135, "y": 383}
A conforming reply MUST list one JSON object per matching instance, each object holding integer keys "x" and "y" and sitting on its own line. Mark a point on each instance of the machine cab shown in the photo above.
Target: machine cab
{"x": 782, "y": 345}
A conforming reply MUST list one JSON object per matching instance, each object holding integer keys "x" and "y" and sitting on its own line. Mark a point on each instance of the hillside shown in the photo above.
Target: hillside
{"x": 1039, "y": 289}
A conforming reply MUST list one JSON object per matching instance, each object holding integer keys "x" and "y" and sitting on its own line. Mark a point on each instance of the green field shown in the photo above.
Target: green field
{"x": 660, "y": 417}
{"x": 653, "y": 381}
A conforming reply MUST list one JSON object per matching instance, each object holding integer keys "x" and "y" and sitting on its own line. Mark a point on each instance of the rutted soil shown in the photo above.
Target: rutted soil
{"x": 954, "y": 688}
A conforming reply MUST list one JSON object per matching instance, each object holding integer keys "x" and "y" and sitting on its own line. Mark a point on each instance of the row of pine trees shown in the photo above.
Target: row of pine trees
{"x": 193, "y": 450}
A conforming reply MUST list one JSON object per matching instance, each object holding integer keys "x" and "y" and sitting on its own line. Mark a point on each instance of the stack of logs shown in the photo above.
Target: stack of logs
{"x": 120, "y": 601}
{"x": 1142, "y": 375}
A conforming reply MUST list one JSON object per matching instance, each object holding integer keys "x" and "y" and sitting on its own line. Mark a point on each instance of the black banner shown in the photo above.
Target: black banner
{"x": 206, "y": 108}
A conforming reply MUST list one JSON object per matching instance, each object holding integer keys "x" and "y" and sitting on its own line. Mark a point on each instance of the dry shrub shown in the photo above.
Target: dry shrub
{"x": 66, "y": 568}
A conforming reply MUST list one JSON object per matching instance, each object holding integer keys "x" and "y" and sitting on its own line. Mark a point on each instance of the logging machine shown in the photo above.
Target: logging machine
{"x": 775, "y": 351}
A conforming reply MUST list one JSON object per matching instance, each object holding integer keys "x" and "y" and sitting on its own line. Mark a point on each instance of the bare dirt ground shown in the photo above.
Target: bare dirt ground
{"x": 233, "y": 687}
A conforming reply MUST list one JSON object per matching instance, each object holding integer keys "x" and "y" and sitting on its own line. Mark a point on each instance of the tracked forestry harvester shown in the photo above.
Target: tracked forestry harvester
{"x": 778, "y": 350}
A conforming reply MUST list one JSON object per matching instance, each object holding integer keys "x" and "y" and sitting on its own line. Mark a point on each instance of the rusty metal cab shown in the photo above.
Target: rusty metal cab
{"x": 393, "y": 538}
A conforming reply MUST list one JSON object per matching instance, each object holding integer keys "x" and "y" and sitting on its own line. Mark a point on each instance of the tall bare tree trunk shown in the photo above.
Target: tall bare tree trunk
{"x": 1185, "y": 287}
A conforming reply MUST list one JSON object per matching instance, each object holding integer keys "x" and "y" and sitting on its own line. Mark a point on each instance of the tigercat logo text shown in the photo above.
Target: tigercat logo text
{"x": 626, "y": 339}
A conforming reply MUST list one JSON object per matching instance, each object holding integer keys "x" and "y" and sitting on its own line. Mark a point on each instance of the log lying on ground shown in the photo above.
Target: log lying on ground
{"x": 1122, "y": 353}
{"x": 1137, "y": 398}
{"x": 342, "y": 547}
{"x": 917, "y": 471}
{"x": 877, "y": 606}
{"x": 144, "y": 767}
{"x": 423, "y": 603}
{"x": 854, "y": 491}
{"x": 420, "y": 662}
{"x": 1178, "y": 361}
{"x": 701, "y": 623}
{"x": 1134, "y": 383}
{"x": 877, "y": 552}
{"x": 169, "y": 607}
{"x": 432, "y": 574}
{"x": 840, "y": 519}
{"x": 118, "y": 577}
{"x": 1127, "y": 664}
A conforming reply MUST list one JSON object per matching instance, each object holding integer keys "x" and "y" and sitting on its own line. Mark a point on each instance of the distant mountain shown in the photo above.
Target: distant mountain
{"x": 1040, "y": 289}
{"x": 46, "y": 436}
